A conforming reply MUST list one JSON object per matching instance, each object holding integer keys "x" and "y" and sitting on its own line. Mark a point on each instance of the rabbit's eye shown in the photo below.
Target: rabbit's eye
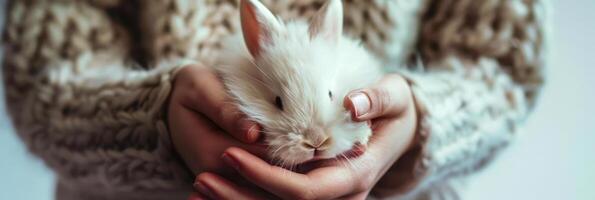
{"x": 279, "y": 103}
{"x": 330, "y": 95}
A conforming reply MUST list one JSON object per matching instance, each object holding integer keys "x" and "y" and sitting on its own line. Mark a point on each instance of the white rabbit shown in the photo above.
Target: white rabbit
{"x": 291, "y": 78}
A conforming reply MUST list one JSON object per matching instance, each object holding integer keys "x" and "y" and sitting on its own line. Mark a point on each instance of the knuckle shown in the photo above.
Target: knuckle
{"x": 381, "y": 99}
{"x": 202, "y": 77}
{"x": 190, "y": 80}
{"x": 198, "y": 84}
{"x": 192, "y": 92}
{"x": 191, "y": 71}
{"x": 196, "y": 73}
{"x": 365, "y": 184}
{"x": 228, "y": 113}
{"x": 193, "y": 68}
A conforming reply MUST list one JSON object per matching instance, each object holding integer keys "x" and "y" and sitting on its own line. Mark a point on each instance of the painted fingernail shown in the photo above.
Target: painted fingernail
{"x": 203, "y": 189}
{"x": 361, "y": 103}
{"x": 253, "y": 133}
{"x": 230, "y": 161}
{"x": 251, "y": 130}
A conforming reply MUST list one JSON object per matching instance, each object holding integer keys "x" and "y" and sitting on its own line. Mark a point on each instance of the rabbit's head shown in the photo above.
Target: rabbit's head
{"x": 293, "y": 78}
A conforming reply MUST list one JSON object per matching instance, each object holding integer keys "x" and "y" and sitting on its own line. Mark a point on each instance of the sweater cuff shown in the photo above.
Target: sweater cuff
{"x": 165, "y": 149}
{"x": 418, "y": 168}
{"x": 464, "y": 117}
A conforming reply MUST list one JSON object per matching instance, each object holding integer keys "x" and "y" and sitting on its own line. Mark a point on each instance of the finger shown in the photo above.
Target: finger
{"x": 357, "y": 196}
{"x": 276, "y": 180}
{"x": 387, "y": 98}
{"x": 327, "y": 183}
{"x": 195, "y": 135}
{"x": 210, "y": 97}
{"x": 197, "y": 196}
{"x": 221, "y": 188}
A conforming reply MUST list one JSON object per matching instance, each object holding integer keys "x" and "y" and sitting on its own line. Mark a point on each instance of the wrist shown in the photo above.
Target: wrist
{"x": 401, "y": 176}
{"x": 410, "y": 114}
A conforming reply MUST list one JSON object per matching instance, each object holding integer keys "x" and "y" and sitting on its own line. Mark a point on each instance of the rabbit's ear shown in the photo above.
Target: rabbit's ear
{"x": 258, "y": 25}
{"x": 328, "y": 22}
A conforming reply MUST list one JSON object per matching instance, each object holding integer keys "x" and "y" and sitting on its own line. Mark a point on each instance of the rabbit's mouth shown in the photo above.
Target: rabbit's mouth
{"x": 318, "y": 161}
{"x": 357, "y": 150}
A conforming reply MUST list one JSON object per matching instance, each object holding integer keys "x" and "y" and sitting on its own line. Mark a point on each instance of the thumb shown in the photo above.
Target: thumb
{"x": 387, "y": 98}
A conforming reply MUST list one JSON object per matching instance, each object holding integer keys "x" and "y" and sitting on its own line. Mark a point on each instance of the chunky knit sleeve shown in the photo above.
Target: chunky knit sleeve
{"x": 479, "y": 68}
{"x": 78, "y": 103}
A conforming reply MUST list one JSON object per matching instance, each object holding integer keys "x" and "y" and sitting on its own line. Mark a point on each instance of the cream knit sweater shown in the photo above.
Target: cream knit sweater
{"x": 86, "y": 82}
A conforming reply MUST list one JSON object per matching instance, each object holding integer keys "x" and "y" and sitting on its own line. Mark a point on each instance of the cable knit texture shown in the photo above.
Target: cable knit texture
{"x": 87, "y": 82}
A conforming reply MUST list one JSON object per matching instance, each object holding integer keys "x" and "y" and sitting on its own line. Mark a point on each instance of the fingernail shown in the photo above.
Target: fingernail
{"x": 230, "y": 161}
{"x": 361, "y": 103}
{"x": 251, "y": 129}
{"x": 203, "y": 189}
{"x": 253, "y": 133}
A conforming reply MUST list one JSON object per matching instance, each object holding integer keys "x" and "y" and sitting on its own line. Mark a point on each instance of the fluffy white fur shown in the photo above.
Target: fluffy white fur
{"x": 300, "y": 63}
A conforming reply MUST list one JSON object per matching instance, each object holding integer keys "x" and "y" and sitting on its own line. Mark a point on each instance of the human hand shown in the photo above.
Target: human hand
{"x": 201, "y": 117}
{"x": 389, "y": 105}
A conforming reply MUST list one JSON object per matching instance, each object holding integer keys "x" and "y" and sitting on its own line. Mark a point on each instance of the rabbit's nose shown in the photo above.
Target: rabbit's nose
{"x": 316, "y": 138}
{"x": 318, "y": 144}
